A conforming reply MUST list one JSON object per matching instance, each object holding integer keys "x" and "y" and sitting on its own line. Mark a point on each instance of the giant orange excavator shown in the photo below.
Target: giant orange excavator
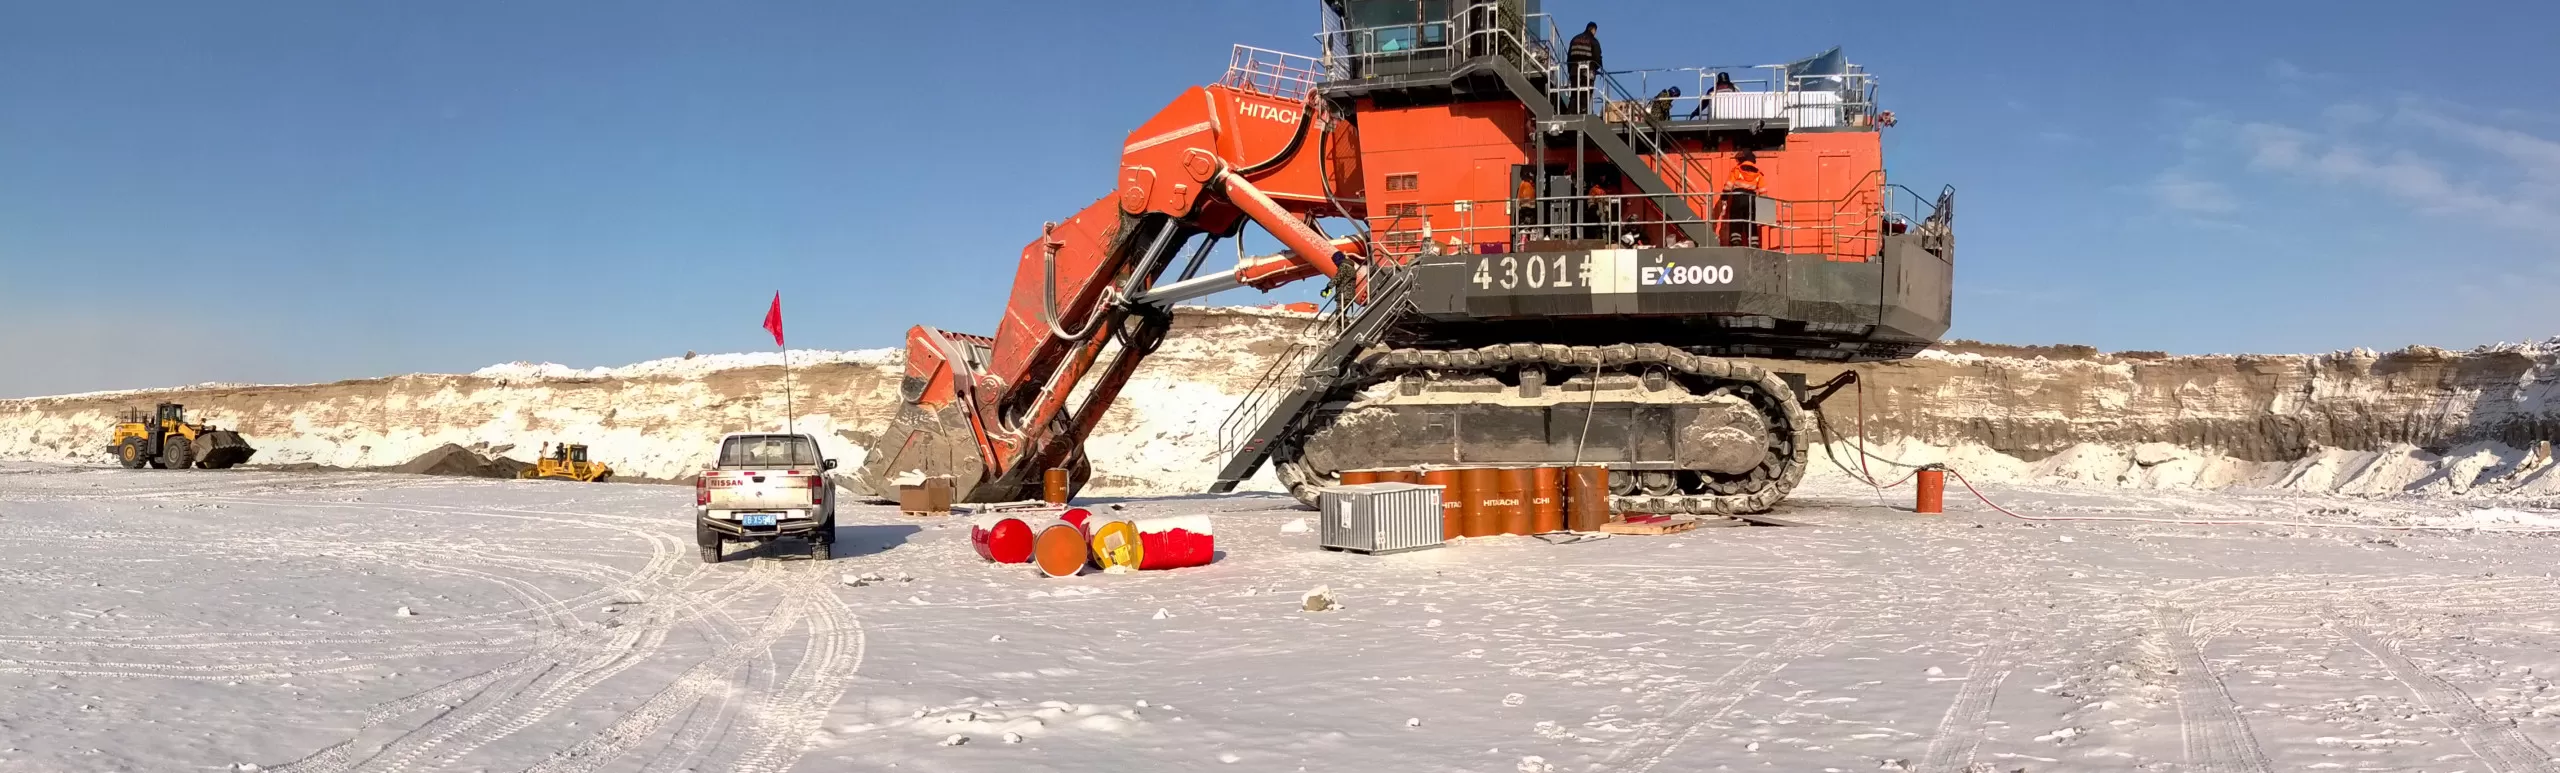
{"x": 1537, "y": 273}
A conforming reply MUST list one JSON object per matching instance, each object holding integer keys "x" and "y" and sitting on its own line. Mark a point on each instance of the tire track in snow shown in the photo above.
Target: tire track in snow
{"x": 672, "y": 608}
{"x": 1709, "y": 703}
{"x": 1960, "y": 730}
{"x": 559, "y": 693}
{"x": 2498, "y": 743}
{"x": 796, "y": 710}
{"x": 684, "y": 748}
{"x": 2216, "y": 738}
{"x": 712, "y": 673}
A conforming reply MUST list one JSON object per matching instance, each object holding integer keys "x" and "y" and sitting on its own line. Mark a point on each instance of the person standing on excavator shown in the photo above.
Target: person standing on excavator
{"x": 1582, "y": 63}
{"x": 1740, "y": 192}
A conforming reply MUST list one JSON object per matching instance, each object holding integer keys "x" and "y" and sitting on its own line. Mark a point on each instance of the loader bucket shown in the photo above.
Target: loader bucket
{"x": 221, "y": 449}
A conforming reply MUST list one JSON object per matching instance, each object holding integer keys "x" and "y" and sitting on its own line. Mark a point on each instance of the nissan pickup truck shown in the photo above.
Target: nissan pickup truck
{"x": 764, "y": 487}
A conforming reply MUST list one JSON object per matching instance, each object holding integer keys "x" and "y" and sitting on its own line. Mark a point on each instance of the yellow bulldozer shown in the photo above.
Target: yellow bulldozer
{"x": 566, "y": 461}
{"x": 163, "y": 440}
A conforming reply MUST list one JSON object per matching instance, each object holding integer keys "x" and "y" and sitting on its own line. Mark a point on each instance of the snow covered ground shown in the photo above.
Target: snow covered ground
{"x": 207, "y": 620}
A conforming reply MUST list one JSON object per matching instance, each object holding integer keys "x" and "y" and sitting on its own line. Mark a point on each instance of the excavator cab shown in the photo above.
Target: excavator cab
{"x": 1393, "y": 38}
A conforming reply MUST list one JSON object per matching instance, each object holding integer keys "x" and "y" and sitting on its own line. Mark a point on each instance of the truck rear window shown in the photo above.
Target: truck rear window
{"x": 769, "y": 451}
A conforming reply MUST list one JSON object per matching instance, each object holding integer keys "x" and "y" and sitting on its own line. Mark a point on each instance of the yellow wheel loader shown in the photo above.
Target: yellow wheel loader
{"x": 567, "y": 461}
{"x": 163, "y": 440}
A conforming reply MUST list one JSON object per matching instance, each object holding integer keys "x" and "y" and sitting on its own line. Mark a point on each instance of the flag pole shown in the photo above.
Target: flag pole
{"x": 789, "y": 417}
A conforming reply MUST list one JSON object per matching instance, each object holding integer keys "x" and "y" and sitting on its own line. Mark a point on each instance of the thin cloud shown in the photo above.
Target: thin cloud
{"x": 2425, "y": 183}
{"x": 2180, "y": 192}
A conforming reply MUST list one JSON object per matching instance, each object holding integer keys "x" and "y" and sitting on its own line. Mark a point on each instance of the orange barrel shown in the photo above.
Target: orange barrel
{"x": 1176, "y": 542}
{"x": 1059, "y": 549}
{"x": 1516, "y": 482}
{"x": 1003, "y": 539}
{"x": 1400, "y": 476}
{"x": 1453, "y": 502}
{"x": 1484, "y": 500}
{"x": 1053, "y": 486}
{"x": 1933, "y": 490}
{"x": 1546, "y": 500}
{"x": 1586, "y": 498}
{"x": 1357, "y": 477}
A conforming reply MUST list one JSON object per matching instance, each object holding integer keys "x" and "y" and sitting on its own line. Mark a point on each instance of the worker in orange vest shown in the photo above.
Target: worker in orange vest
{"x": 1740, "y": 191}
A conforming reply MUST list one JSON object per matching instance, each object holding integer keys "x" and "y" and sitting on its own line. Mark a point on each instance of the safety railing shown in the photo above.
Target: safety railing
{"x": 1526, "y": 40}
{"x": 1760, "y": 92}
{"x": 1291, "y": 369}
{"x": 1277, "y": 73}
{"x": 1649, "y": 128}
{"x": 1848, "y": 229}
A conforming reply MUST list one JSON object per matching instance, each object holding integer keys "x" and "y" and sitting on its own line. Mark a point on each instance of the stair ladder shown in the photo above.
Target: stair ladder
{"x": 1289, "y": 390}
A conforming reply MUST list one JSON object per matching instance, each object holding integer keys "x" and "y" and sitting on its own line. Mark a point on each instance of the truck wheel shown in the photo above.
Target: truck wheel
{"x": 708, "y": 539}
{"x": 819, "y": 550}
{"x": 129, "y": 454}
{"x": 175, "y": 453}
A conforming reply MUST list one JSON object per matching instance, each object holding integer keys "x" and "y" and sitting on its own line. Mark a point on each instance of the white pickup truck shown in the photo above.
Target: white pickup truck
{"x": 763, "y": 487}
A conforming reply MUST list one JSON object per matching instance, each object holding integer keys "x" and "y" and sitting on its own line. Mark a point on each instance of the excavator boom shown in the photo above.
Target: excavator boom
{"x": 994, "y": 411}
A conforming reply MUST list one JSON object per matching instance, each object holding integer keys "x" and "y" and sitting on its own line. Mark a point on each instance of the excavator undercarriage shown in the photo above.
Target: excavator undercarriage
{"x": 1681, "y": 433}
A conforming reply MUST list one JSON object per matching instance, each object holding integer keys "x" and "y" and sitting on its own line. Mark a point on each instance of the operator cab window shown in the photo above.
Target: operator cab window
{"x": 1393, "y": 26}
{"x": 769, "y": 451}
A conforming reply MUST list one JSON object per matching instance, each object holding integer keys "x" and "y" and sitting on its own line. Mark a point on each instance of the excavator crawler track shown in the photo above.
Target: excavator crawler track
{"x": 1681, "y": 433}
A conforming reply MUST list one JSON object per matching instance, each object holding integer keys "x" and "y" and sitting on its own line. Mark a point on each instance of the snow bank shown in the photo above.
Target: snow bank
{"x": 689, "y": 366}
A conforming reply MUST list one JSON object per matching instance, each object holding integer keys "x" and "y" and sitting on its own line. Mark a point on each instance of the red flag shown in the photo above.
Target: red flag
{"x": 773, "y": 319}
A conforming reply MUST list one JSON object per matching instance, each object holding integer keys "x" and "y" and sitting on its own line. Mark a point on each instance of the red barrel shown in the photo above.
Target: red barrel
{"x": 1400, "y": 476}
{"x": 1516, "y": 482}
{"x": 1933, "y": 490}
{"x": 1484, "y": 500}
{"x": 1357, "y": 477}
{"x": 1001, "y": 538}
{"x": 1060, "y": 550}
{"x": 1453, "y": 502}
{"x": 1586, "y": 498}
{"x": 1177, "y": 542}
{"x": 1546, "y": 500}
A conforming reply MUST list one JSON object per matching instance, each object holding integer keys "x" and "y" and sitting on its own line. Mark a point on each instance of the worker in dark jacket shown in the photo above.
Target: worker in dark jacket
{"x": 1582, "y": 64}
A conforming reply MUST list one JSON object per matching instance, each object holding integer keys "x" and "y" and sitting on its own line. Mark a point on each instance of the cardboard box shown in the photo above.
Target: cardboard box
{"x": 932, "y": 497}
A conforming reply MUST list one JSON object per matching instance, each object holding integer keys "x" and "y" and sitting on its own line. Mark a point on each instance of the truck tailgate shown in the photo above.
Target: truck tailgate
{"x": 761, "y": 489}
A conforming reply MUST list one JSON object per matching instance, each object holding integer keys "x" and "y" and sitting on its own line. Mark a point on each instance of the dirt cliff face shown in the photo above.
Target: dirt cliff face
{"x": 2067, "y": 412}
{"x": 2252, "y": 407}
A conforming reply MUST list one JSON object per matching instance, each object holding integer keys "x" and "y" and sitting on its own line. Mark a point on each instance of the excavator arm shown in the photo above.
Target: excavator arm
{"x": 996, "y": 411}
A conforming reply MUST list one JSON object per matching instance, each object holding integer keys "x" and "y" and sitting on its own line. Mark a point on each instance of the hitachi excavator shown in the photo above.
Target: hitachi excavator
{"x": 1532, "y": 272}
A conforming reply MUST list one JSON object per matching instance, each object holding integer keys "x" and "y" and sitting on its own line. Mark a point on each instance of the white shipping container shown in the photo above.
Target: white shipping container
{"x": 1380, "y": 518}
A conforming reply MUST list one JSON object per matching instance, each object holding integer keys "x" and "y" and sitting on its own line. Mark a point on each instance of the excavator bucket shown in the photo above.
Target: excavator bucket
{"x": 221, "y": 448}
{"x": 924, "y": 442}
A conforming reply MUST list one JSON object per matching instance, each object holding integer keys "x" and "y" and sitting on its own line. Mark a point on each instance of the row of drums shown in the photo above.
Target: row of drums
{"x": 1487, "y": 501}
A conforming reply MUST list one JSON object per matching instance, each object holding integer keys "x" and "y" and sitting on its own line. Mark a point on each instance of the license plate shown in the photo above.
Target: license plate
{"x": 758, "y": 519}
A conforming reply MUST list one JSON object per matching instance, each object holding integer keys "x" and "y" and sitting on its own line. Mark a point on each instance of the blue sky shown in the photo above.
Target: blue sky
{"x": 330, "y": 189}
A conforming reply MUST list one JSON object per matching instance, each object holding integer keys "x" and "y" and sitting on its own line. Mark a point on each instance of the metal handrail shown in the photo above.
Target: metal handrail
{"x": 1834, "y": 228}
{"x": 1277, "y": 73}
{"x": 1292, "y": 364}
{"x": 1345, "y": 46}
{"x": 1653, "y": 127}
